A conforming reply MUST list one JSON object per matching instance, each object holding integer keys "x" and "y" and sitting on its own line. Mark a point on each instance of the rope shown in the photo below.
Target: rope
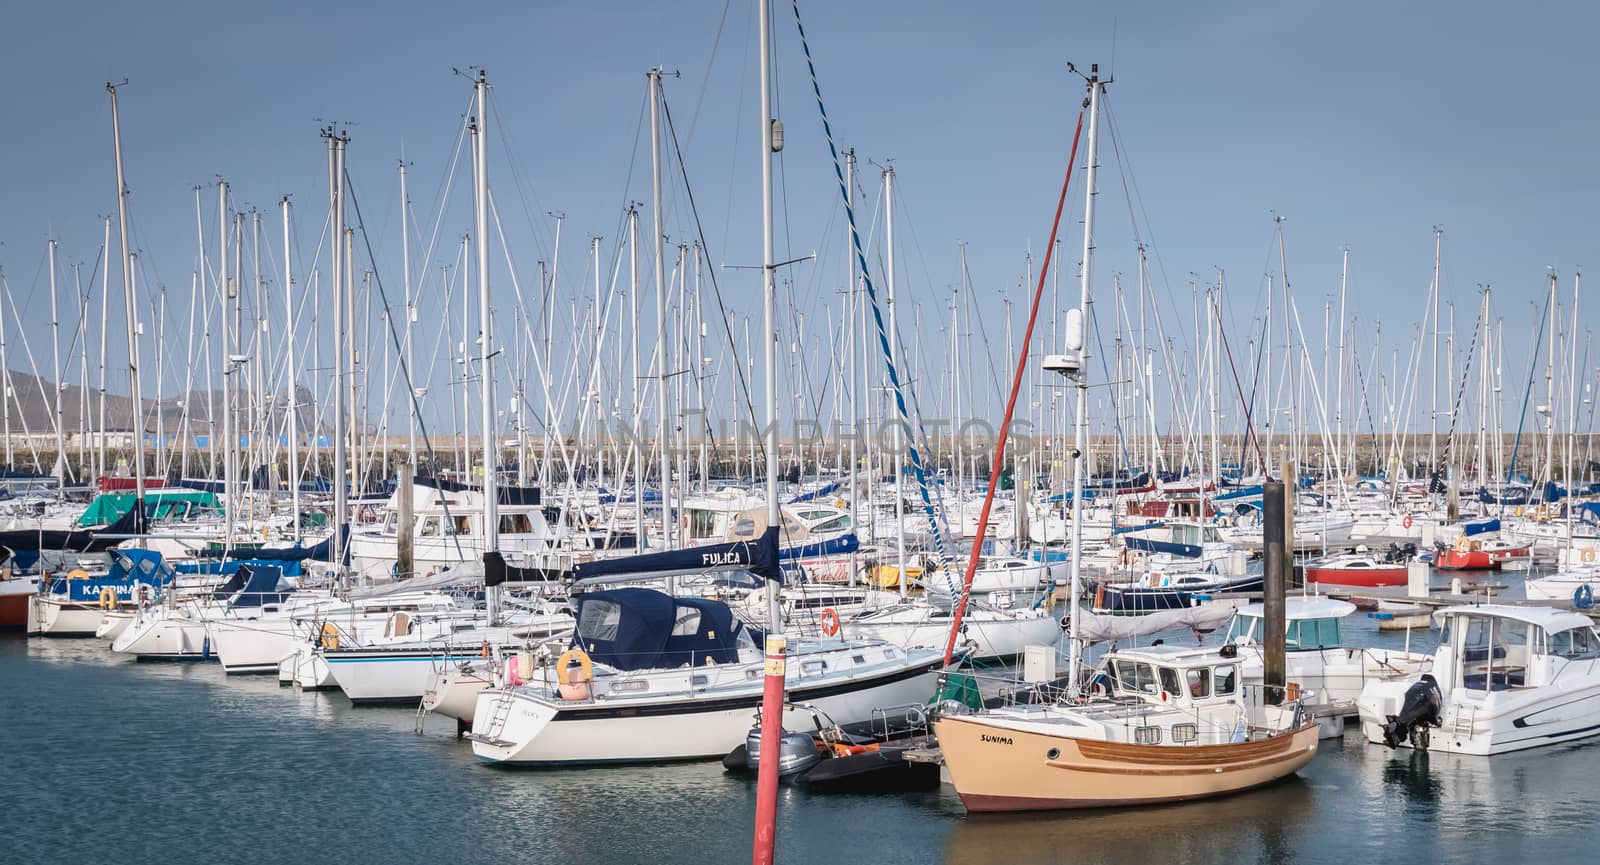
{"x": 917, "y": 466}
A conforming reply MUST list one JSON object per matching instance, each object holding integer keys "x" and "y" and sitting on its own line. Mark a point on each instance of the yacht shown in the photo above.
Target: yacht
{"x": 652, "y": 678}
{"x": 1505, "y": 678}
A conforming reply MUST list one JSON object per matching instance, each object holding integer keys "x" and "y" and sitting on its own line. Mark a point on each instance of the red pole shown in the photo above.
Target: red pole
{"x": 771, "y": 736}
{"x": 1011, "y": 405}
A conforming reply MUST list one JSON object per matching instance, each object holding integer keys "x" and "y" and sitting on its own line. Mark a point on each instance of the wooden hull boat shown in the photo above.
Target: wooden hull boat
{"x": 1011, "y": 768}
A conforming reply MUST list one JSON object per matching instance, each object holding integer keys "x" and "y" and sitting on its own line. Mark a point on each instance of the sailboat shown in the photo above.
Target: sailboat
{"x": 1161, "y": 724}
{"x": 652, "y": 677}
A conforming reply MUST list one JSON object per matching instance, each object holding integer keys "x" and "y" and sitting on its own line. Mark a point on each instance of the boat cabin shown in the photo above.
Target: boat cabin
{"x": 1312, "y": 624}
{"x": 1501, "y": 647}
{"x": 1172, "y": 675}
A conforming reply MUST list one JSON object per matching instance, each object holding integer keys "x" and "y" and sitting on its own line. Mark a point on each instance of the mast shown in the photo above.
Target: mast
{"x": 337, "y": 142}
{"x": 105, "y": 320}
{"x": 133, "y": 344}
{"x": 635, "y": 455}
{"x": 1433, "y": 378}
{"x": 1338, "y": 405}
{"x": 898, "y": 460}
{"x": 1081, "y": 431}
{"x": 230, "y": 439}
{"x": 661, "y": 303}
{"x": 771, "y": 141}
{"x": 411, "y": 317}
{"x": 60, "y": 467}
{"x": 491, "y": 450}
{"x": 293, "y": 405}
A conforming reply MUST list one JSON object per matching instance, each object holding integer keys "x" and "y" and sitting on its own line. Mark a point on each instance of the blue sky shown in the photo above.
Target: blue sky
{"x": 1364, "y": 124}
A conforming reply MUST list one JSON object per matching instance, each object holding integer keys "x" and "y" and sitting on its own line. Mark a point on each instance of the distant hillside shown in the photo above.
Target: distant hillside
{"x": 32, "y": 407}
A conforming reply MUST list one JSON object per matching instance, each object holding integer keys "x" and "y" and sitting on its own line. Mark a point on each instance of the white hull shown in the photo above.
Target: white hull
{"x": 988, "y": 634}
{"x": 155, "y": 634}
{"x": 304, "y": 668}
{"x": 1495, "y": 723}
{"x": 254, "y": 647}
{"x": 72, "y": 619}
{"x": 379, "y": 676}
{"x": 454, "y": 692}
{"x": 519, "y": 726}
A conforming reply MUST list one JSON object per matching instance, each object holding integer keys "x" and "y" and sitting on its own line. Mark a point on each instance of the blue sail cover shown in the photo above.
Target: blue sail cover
{"x": 260, "y": 586}
{"x": 129, "y": 570}
{"x": 821, "y": 492}
{"x": 639, "y": 629}
{"x": 1149, "y": 545}
{"x": 842, "y": 545}
{"x": 1482, "y": 527}
{"x": 289, "y": 568}
{"x": 760, "y": 557}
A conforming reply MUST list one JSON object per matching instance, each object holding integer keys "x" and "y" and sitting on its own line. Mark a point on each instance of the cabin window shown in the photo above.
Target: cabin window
{"x": 1576, "y": 644}
{"x": 515, "y": 524}
{"x": 1185, "y": 733}
{"x": 688, "y": 623}
{"x": 1147, "y": 735}
{"x": 599, "y": 620}
{"x": 1243, "y": 628}
{"x": 1226, "y": 679}
{"x": 837, "y": 524}
{"x": 1199, "y": 682}
{"x": 1169, "y": 680}
{"x": 702, "y": 523}
{"x": 462, "y": 525}
{"x": 1135, "y": 677}
{"x": 430, "y": 528}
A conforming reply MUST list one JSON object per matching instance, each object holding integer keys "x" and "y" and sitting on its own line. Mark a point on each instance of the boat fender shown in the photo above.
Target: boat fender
{"x": 108, "y": 598}
{"x": 574, "y": 687}
{"x": 77, "y": 574}
{"x": 1583, "y": 598}
{"x": 830, "y": 622}
{"x": 1405, "y": 522}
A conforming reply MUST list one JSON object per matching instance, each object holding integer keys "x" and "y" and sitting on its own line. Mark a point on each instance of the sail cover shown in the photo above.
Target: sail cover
{"x": 759, "y": 556}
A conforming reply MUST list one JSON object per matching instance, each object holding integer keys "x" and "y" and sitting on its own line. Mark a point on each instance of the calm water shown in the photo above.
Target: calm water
{"x": 111, "y": 760}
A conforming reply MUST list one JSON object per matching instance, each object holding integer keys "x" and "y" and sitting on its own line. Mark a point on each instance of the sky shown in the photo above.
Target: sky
{"x": 1364, "y": 125}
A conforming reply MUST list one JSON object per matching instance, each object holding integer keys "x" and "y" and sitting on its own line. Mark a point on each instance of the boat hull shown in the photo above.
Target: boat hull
{"x": 538, "y": 732}
{"x": 998, "y": 768}
{"x": 1362, "y": 577}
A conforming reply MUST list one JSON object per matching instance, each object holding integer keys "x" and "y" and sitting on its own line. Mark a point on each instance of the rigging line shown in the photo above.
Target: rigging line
{"x": 1166, "y": 281}
{"x": 716, "y": 287}
{"x": 1527, "y": 394}
{"x": 1238, "y": 386}
{"x": 1011, "y": 404}
{"x": 705, "y": 83}
{"x": 917, "y": 466}
{"x": 1461, "y": 392}
{"x": 976, "y": 311}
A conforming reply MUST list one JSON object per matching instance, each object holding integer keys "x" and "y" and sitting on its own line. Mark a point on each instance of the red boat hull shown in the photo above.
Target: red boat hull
{"x": 1453, "y": 559}
{"x": 1369, "y": 578}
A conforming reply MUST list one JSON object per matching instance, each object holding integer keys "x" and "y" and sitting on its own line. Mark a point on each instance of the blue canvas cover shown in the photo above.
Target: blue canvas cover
{"x": 703, "y": 632}
{"x": 846, "y": 543}
{"x": 129, "y": 570}
{"x": 624, "y": 628}
{"x": 260, "y": 586}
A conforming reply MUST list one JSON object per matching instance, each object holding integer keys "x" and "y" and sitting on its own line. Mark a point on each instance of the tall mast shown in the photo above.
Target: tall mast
{"x": 60, "y": 467}
{"x": 661, "y": 305}
{"x": 894, "y": 360}
{"x": 105, "y": 321}
{"x": 127, "y": 294}
{"x": 491, "y": 449}
{"x": 411, "y": 317}
{"x": 293, "y": 403}
{"x": 337, "y": 142}
{"x": 1338, "y": 404}
{"x": 635, "y": 455}
{"x": 1433, "y": 377}
{"x": 771, "y": 140}
{"x": 855, "y": 390}
{"x": 1081, "y": 431}
{"x": 230, "y": 439}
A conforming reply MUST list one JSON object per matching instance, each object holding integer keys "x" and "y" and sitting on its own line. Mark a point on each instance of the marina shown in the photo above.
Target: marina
{"x": 735, "y": 522}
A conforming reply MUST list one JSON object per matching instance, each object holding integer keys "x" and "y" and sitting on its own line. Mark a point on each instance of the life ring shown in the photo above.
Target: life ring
{"x": 329, "y": 636}
{"x": 830, "y": 622}
{"x": 1588, "y": 555}
{"x": 1405, "y": 523}
{"x": 567, "y": 657}
{"x": 1463, "y": 545}
{"x": 108, "y": 598}
{"x": 77, "y": 574}
{"x": 1519, "y": 510}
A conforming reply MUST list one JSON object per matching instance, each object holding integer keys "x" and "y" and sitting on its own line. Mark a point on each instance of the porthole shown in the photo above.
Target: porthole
{"x": 1053, "y": 754}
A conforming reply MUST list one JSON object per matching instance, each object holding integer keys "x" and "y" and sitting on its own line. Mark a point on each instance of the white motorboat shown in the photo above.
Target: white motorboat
{"x": 678, "y": 679}
{"x": 1504, "y": 679}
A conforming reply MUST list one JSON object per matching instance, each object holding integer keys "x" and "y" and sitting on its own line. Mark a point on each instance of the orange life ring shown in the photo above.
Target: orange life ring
{"x": 584, "y": 662}
{"x": 1588, "y": 555}
{"x": 108, "y": 599}
{"x": 1406, "y": 522}
{"x": 830, "y": 622}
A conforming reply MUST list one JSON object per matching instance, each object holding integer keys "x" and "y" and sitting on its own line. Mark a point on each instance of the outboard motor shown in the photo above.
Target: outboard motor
{"x": 1418, "y": 712}
{"x": 797, "y": 752}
